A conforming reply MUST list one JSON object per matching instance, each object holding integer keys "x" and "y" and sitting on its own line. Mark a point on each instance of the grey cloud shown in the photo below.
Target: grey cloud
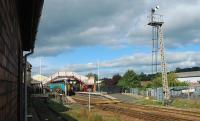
{"x": 139, "y": 62}
{"x": 76, "y": 23}
{"x": 98, "y": 30}
{"x": 181, "y": 25}
{"x": 70, "y": 24}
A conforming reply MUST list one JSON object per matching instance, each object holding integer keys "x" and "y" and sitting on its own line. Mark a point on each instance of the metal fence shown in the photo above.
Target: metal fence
{"x": 175, "y": 92}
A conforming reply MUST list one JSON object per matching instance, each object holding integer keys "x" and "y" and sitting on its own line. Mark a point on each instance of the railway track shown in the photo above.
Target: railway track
{"x": 147, "y": 113}
{"x": 165, "y": 109}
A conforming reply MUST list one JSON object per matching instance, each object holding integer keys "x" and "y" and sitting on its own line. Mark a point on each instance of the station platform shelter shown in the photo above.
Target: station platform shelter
{"x": 70, "y": 82}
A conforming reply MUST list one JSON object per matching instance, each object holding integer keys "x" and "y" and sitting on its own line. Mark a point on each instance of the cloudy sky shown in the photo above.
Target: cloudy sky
{"x": 74, "y": 35}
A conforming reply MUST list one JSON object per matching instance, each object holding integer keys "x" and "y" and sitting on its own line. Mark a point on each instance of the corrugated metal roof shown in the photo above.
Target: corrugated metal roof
{"x": 188, "y": 74}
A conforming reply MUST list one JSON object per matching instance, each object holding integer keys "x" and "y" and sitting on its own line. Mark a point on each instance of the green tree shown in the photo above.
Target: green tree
{"x": 142, "y": 77}
{"x": 129, "y": 79}
{"x": 115, "y": 79}
{"x": 94, "y": 75}
{"x": 177, "y": 69}
{"x": 157, "y": 81}
{"x": 172, "y": 81}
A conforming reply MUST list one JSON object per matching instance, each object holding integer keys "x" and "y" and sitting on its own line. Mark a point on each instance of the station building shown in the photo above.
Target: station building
{"x": 69, "y": 82}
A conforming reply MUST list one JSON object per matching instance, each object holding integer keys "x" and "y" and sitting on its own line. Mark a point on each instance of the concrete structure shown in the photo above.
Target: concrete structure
{"x": 18, "y": 27}
{"x": 190, "y": 77}
{"x": 28, "y": 74}
{"x": 36, "y": 86}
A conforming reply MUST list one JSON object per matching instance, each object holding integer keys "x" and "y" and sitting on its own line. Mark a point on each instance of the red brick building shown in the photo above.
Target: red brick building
{"x": 18, "y": 27}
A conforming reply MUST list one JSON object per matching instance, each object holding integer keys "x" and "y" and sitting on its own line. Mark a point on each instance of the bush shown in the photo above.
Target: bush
{"x": 56, "y": 106}
{"x": 51, "y": 95}
{"x": 97, "y": 118}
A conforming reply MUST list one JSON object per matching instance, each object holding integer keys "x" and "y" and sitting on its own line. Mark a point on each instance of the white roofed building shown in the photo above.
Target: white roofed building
{"x": 40, "y": 78}
{"x": 189, "y": 77}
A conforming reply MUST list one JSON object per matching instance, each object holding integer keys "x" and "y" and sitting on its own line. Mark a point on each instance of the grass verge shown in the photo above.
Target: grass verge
{"x": 149, "y": 102}
{"x": 177, "y": 103}
{"x": 185, "y": 103}
{"x": 81, "y": 113}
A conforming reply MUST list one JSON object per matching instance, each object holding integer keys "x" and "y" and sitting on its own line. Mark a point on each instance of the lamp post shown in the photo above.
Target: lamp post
{"x": 89, "y": 99}
{"x": 98, "y": 76}
{"x": 74, "y": 83}
{"x": 65, "y": 87}
{"x": 66, "y": 90}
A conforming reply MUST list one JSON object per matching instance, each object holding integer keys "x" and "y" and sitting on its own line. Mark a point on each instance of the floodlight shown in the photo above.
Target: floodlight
{"x": 157, "y": 7}
{"x": 153, "y": 10}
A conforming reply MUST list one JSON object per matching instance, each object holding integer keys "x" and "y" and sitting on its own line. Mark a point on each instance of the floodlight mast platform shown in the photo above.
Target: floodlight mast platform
{"x": 156, "y": 21}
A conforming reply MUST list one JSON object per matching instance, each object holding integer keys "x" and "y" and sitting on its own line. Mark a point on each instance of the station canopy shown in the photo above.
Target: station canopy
{"x": 64, "y": 75}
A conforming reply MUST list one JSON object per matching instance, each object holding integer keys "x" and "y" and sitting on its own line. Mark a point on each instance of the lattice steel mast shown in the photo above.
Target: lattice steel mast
{"x": 158, "y": 45}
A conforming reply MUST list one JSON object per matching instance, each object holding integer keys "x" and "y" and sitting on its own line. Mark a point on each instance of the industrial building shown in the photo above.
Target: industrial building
{"x": 18, "y": 27}
{"x": 37, "y": 83}
{"x": 189, "y": 77}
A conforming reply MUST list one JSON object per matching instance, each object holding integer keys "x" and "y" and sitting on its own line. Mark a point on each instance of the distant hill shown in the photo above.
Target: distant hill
{"x": 187, "y": 69}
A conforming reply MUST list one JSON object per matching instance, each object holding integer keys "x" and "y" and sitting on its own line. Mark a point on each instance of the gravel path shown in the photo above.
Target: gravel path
{"x": 123, "y": 98}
